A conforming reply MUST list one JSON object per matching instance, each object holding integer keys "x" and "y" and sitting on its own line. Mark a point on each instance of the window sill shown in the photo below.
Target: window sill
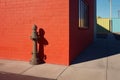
{"x": 84, "y": 28}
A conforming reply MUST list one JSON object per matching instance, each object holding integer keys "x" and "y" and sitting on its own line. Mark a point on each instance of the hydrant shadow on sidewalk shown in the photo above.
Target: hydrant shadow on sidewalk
{"x": 39, "y": 42}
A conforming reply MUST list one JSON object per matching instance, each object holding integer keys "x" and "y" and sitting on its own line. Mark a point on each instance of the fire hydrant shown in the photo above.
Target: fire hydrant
{"x": 34, "y": 60}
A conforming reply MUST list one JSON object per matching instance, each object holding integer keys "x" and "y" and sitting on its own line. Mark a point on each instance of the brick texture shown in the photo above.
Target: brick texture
{"x": 58, "y": 19}
{"x": 16, "y": 20}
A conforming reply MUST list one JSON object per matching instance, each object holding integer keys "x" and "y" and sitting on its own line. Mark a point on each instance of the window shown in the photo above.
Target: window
{"x": 83, "y": 14}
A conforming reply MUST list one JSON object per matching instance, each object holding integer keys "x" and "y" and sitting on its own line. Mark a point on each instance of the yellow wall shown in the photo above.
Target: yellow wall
{"x": 102, "y": 25}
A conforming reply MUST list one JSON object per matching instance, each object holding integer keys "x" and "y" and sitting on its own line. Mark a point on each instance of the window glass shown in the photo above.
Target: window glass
{"x": 83, "y": 14}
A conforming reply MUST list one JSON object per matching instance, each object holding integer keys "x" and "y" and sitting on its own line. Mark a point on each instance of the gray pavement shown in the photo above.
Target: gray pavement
{"x": 100, "y": 61}
{"x": 13, "y": 70}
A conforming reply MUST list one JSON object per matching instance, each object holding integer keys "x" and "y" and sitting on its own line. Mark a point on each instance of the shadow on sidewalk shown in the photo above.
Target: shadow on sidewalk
{"x": 11, "y": 76}
{"x": 107, "y": 44}
{"x": 101, "y": 48}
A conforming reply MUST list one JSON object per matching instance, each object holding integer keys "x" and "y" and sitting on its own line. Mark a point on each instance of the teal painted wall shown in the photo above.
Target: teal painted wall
{"x": 115, "y": 25}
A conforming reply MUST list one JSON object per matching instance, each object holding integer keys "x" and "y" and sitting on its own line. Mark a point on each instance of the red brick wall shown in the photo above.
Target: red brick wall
{"x": 58, "y": 18}
{"x": 80, "y": 38}
{"x": 16, "y": 20}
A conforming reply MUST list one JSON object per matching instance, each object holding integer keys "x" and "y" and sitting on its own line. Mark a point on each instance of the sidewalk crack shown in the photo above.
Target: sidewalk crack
{"x": 61, "y": 72}
{"x": 27, "y": 69}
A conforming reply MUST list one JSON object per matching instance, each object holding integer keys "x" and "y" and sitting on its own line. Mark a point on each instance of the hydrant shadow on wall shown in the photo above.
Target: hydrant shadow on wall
{"x": 39, "y": 42}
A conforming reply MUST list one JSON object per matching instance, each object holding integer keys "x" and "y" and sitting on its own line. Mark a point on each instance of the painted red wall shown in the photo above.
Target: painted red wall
{"x": 63, "y": 40}
{"x": 16, "y": 20}
{"x": 80, "y": 38}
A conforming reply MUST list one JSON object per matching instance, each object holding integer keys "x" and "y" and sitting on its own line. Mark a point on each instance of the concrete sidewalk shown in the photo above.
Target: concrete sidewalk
{"x": 13, "y": 70}
{"x": 100, "y": 61}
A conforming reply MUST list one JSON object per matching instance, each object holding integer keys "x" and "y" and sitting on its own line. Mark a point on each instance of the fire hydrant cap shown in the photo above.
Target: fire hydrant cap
{"x": 34, "y": 27}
